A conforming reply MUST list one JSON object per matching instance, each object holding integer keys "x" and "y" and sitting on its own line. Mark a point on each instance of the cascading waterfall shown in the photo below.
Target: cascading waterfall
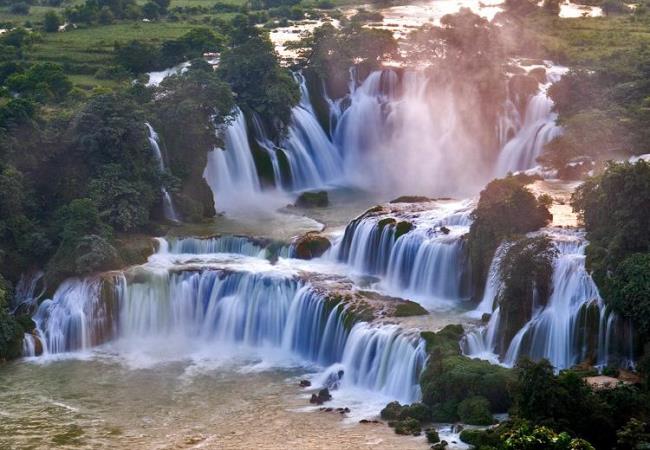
{"x": 375, "y": 357}
{"x": 313, "y": 159}
{"x": 524, "y": 138}
{"x": 231, "y": 171}
{"x": 391, "y": 134}
{"x": 76, "y": 318}
{"x": 236, "y": 310}
{"x": 241, "y": 245}
{"x": 565, "y": 331}
{"x": 426, "y": 262}
{"x": 168, "y": 205}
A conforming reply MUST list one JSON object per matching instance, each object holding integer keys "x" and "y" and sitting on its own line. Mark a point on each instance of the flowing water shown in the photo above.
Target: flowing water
{"x": 204, "y": 345}
{"x": 168, "y": 205}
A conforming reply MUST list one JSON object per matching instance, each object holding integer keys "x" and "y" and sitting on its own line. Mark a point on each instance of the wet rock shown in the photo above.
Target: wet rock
{"x": 320, "y": 398}
{"x": 305, "y": 383}
{"x": 539, "y": 73}
{"x": 411, "y": 199}
{"x": 402, "y": 228}
{"x": 311, "y": 245}
{"x": 442, "y": 445}
{"x": 522, "y": 88}
{"x": 444, "y": 230}
{"x": 318, "y": 199}
{"x": 486, "y": 317}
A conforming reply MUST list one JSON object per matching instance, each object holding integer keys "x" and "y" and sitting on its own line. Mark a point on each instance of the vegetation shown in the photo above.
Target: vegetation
{"x": 526, "y": 272}
{"x": 506, "y": 208}
{"x": 613, "y": 209}
{"x": 450, "y": 380}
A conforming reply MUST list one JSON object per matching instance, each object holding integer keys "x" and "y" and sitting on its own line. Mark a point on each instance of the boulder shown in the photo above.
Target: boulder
{"x": 402, "y": 228}
{"x": 317, "y": 199}
{"x": 305, "y": 383}
{"x": 311, "y": 245}
{"x": 320, "y": 398}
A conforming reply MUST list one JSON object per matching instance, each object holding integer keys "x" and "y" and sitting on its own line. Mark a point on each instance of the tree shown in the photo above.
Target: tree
{"x": 505, "y": 208}
{"x": 45, "y": 82}
{"x": 51, "y": 22}
{"x": 137, "y": 56}
{"x": 20, "y": 8}
{"x": 251, "y": 68}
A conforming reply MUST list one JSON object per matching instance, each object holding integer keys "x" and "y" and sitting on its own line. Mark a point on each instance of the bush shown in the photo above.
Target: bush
{"x": 11, "y": 333}
{"x": 613, "y": 208}
{"x": 408, "y": 426}
{"x": 51, "y": 22}
{"x": 475, "y": 411}
{"x": 137, "y": 56}
{"x": 20, "y": 8}
{"x": 449, "y": 378}
{"x": 432, "y": 435}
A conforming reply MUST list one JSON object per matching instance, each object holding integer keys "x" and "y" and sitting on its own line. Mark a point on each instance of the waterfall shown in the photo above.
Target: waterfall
{"x": 76, "y": 318}
{"x": 231, "y": 171}
{"x": 564, "y": 331}
{"x": 425, "y": 263}
{"x": 523, "y": 139}
{"x": 241, "y": 245}
{"x": 168, "y": 205}
{"x": 410, "y": 134}
{"x": 229, "y": 310}
{"x": 313, "y": 159}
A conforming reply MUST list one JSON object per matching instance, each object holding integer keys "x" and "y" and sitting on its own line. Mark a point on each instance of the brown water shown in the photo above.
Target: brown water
{"x": 98, "y": 402}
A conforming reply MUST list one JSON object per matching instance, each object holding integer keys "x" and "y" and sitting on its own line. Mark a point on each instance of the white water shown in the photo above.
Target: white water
{"x": 241, "y": 245}
{"x": 231, "y": 172}
{"x": 530, "y": 131}
{"x": 160, "y": 313}
{"x": 425, "y": 263}
{"x": 557, "y": 331}
{"x": 168, "y": 205}
{"x": 392, "y": 135}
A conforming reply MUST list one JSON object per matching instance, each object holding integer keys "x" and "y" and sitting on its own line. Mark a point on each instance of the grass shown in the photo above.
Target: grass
{"x": 585, "y": 40}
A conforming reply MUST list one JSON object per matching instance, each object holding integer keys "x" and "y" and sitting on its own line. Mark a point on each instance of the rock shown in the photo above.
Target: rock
{"x": 324, "y": 395}
{"x": 305, "y": 383}
{"x": 364, "y": 421}
{"x": 385, "y": 222}
{"x": 318, "y": 199}
{"x": 485, "y": 318}
{"x": 522, "y": 88}
{"x": 408, "y": 426}
{"x": 442, "y": 445}
{"x": 402, "y": 228}
{"x": 539, "y": 73}
{"x": 445, "y": 230}
{"x": 411, "y": 199}
{"x": 315, "y": 400}
{"x": 311, "y": 245}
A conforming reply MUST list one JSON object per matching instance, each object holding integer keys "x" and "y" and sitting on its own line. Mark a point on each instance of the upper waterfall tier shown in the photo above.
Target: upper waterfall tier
{"x": 393, "y": 133}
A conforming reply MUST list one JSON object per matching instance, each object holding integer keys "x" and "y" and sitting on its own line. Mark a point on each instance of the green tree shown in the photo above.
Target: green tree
{"x": 51, "y": 22}
{"x": 506, "y": 208}
{"x": 251, "y": 67}
{"x": 137, "y": 56}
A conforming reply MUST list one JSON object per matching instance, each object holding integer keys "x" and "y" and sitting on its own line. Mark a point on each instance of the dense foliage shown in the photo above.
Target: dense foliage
{"x": 506, "y": 208}
{"x": 250, "y": 66}
{"x": 613, "y": 207}
{"x": 526, "y": 271}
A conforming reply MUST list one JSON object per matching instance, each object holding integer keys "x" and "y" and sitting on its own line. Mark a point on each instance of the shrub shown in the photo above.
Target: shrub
{"x": 408, "y": 426}
{"x": 475, "y": 411}
{"x": 51, "y": 22}
{"x": 20, "y": 8}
